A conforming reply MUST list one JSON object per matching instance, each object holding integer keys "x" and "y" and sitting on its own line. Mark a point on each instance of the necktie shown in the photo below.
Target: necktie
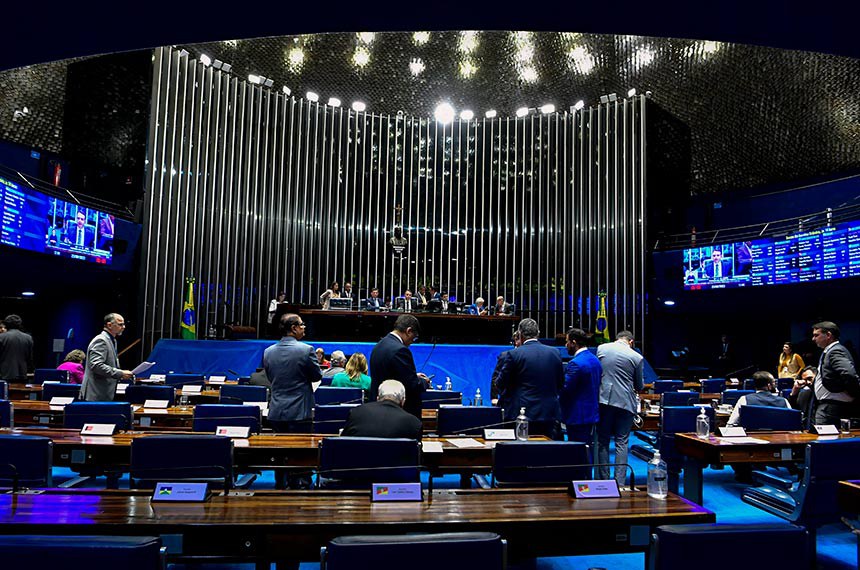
{"x": 718, "y": 270}
{"x": 80, "y": 236}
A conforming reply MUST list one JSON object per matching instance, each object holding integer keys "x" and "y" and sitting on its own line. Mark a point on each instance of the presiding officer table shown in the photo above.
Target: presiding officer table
{"x": 291, "y": 526}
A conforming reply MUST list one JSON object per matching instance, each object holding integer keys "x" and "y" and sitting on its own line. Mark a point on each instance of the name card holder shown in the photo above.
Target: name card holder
{"x": 499, "y": 434}
{"x": 217, "y": 379}
{"x": 736, "y": 431}
{"x": 61, "y": 401}
{"x": 157, "y": 377}
{"x": 824, "y": 429}
{"x": 396, "y": 492}
{"x": 594, "y": 489}
{"x": 98, "y": 429}
{"x": 181, "y": 492}
{"x": 121, "y": 388}
{"x": 156, "y": 404}
{"x": 241, "y": 432}
{"x": 191, "y": 389}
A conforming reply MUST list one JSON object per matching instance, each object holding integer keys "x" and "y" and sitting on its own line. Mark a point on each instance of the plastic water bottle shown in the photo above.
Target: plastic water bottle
{"x": 478, "y": 400}
{"x": 448, "y": 385}
{"x": 703, "y": 425}
{"x": 658, "y": 482}
{"x": 522, "y": 426}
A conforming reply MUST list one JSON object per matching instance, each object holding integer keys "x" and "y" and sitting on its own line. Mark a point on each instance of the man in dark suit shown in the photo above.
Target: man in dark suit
{"x": 717, "y": 267}
{"x": 531, "y": 379}
{"x": 373, "y": 303}
{"x": 836, "y": 387}
{"x": 579, "y": 395}
{"x": 80, "y": 234}
{"x": 385, "y": 417}
{"x": 391, "y": 359}
{"x": 16, "y": 350}
{"x": 102, "y": 371}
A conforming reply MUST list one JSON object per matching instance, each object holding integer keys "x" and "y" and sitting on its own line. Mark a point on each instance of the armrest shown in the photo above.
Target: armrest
{"x": 764, "y": 478}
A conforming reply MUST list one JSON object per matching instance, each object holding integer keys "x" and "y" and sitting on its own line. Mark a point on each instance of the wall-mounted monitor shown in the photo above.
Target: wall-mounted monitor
{"x": 37, "y": 222}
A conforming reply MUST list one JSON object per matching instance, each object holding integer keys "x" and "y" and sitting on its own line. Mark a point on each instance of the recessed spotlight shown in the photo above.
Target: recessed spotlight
{"x": 522, "y": 111}
{"x": 547, "y": 109}
{"x": 28, "y": 294}
{"x": 467, "y": 115}
{"x": 217, "y": 64}
{"x": 366, "y": 37}
{"x": 632, "y": 92}
{"x": 227, "y": 67}
{"x": 205, "y": 60}
{"x": 311, "y": 96}
{"x": 333, "y": 102}
{"x": 416, "y": 66}
{"x": 361, "y": 56}
{"x": 579, "y": 105}
{"x": 669, "y": 303}
{"x": 358, "y": 106}
{"x": 255, "y": 79}
{"x": 421, "y": 38}
{"x": 491, "y": 114}
{"x": 444, "y": 113}
{"x": 268, "y": 82}
{"x": 286, "y": 90}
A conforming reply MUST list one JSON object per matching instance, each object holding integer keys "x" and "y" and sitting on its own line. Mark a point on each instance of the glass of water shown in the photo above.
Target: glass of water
{"x": 845, "y": 425}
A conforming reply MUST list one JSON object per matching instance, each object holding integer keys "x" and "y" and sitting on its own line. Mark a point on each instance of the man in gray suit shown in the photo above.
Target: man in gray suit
{"x": 102, "y": 369}
{"x": 620, "y": 383}
{"x": 836, "y": 387}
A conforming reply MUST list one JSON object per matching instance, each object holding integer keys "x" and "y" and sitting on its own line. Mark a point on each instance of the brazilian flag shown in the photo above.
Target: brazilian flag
{"x": 188, "y": 328}
{"x": 601, "y": 328}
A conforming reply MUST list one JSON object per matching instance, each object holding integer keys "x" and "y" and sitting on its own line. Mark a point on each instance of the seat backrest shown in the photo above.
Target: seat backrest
{"x": 140, "y": 393}
{"x": 468, "y": 420}
{"x": 431, "y": 399}
{"x": 7, "y": 418}
{"x": 4, "y": 390}
{"x": 326, "y": 396}
{"x": 713, "y": 385}
{"x": 181, "y": 457}
{"x": 183, "y": 379}
{"x": 50, "y": 391}
{"x": 661, "y": 386}
{"x": 731, "y": 397}
{"x": 784, "y": 383}
{"x": 331, "y": 419}
{"x": 453, "y": 551}
{"x": 41, "y": 375}
{"x": 29, "y": 457}
{"x": 539, "y": 462}
{"x": 749, "y": 384}
{"x": 827, "y": 463}
{"x": 76, "y": 414}
{"x": 245, "y": 393}
{"x": 678, "y": 398}
{"x": 208, "y": 417}
{"x": 394, "y": 460}
{"x": 679, "y": 419}
{"x": 52, "y": 551}
{"x": 756, "y": 418}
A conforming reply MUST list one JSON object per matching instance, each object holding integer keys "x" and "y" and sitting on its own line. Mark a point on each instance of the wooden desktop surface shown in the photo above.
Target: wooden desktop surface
{"x": 848, "y": 494}
{"x": 718, "y": 451}
{"x": 37, "y": 412}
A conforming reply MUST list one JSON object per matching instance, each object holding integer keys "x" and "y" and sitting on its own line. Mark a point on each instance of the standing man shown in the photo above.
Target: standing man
{"x": 391, "y": 359}
{"x": 620, "y": 383}
{"x": 836, "y": 385}
{"x": 16, "y": 350}
{"x": 531, "y": 379}
{"x": 102, "y": 369}
{"x": 579, "y": 395}
{"x": 373, "y": 303}
{"x": 292, "y": 367}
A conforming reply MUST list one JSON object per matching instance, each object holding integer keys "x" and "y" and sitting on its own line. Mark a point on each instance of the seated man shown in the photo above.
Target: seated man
{"x": 444, "y": 302}
{"x": 385, "y": 417}
{"x": 408, "y": 304}
{"x": 764, "y": 396}
{"x": 338, "y": 362}
{"x": 501, "y": 307}
{"x": 801, "y": 393}
{"x": 478, "y": 308}
{"x": 373, "y": 303}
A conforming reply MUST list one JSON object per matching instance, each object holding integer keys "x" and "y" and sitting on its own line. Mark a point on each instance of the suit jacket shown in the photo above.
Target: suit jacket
{"x": 102, "y": 369}
{"x": 579, "y": 395}
{"x": 530, "y": 379}
{"x": 503, "y": 310}
{"x": 371, "y": 304}
{"x": 474, "y": 310}
{"x": 726, "y": 268}
{"x": 291, "y": 367}
{"x": 392, "y": 360}
{"x": 16, "y": 355}
{"x": 382, "y": 419}
{"x": 837, "y": 371}
{"x": 72, "y": 235}
{"x": 622, "y": 378}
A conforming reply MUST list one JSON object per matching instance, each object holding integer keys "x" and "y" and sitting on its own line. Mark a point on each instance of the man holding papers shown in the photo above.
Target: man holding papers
{"x": 102, "y": 370}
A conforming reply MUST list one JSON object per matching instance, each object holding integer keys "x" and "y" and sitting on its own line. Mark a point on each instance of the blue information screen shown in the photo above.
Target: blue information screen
{"x": 36, "y": 222}
{"x": 819, "y": 255}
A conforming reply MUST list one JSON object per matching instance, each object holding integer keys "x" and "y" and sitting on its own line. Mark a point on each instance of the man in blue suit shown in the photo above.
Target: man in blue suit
{"x": 373, "y": 303}
{"x": 717, "y": 267}
{"x": 80, "y": 234}
{"x": 531, "y": 379}
{"x": 391, "y": 359}
{"x": 579, "y": 395}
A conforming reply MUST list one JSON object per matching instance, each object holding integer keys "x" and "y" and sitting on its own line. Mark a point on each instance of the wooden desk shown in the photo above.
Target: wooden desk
{"x": 651, "y": 420}
{"x": 29, "y": 412}
{"x": 292, "y": 526}
{"x": 781, "y": 447}
{"x": 703, "y": 398}
{"x": 18, "y": 391}
{"x": 848, "y": 495}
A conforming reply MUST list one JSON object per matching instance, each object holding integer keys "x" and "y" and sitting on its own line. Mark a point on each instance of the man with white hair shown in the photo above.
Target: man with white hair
{"x": 338, "y": 365}
{"x": 385, "y": 417}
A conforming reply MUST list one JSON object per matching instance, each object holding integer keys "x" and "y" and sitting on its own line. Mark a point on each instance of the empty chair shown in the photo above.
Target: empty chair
{"x": 469, "y": 420}
{"x": 52, "y": 551}
{"x": 76, "y": 414}
{"x": 4, "y": 390}
{"x": 51, "y": 391}
{"x": 206, "y": 458}
{"x": 431, "y": 399}
{"x": 674, "y": 420}
{"x": 41, "y": 375}
{"x": 527, "y": 463}
{"x": 713, "y": 385}
{"x": 25, "y": 460}
{"x": 755, "y": 418}
{"x": 452, "y": 551}
{"x": 784, "y": 383}
{"x": 661, "y": 386}
{"x": 731, "y": 397}
{"x": 140, "y": 393}
{"x": 331, "y": 419}
{"x": 678, "y": 398}
{"x": 208, "y": 417}
{"x": 6, "y": 414}
{"x": 359, "y": 461}
{"x": 234, "y": 392}
{"x": 755, "y": 545}
{"x": 326, "y": 396}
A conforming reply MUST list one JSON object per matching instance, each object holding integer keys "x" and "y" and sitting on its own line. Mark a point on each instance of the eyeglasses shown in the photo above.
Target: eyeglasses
{"x": 300, "y": 325}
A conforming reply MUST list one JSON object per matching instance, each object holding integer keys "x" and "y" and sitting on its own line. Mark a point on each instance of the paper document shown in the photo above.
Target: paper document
{"x": 465, "y": 442}
{"x": 431, "y": 447}
{"x": 142, "y": 367}
{"x": 741, "y": 440}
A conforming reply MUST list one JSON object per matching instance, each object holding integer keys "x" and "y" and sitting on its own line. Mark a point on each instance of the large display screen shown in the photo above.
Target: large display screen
{"x": 36, "y": 222}
{"x": 819, "y": 255}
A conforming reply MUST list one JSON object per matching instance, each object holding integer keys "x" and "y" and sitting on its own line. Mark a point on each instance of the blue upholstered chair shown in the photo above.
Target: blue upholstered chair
{"x": 41, "y": 375}
{"x": 784, "y": 383}
{"x": 206, "y": 458}
{"x": 757, "y": 418}
{"x": 207, "y": 417}
{"x": 675, "y": 420}
{"x": 431, "y": 399}
{"x": 661, "y": 386}
{"x": 76, "y": 414}
{"x": 343, "y": 461}
{"x": 528, "y": 463}
{"x": 731, "y": 397}
{"x": 753, "y": 545}
{"x": 25, "y": 460}
{"x": 183, "y": 379}
{"x": 327, "y": 396}
{"x": 452, "y": 551}
{"x": 7, "y": 417}
{"x": 468, "y": 420}
{"x": 50, "y": 391}
{"x": 713, "y": 385}
{"x": 234, "y": 393}
{"x": 52, "y": 551}
{"x": 331, "y": 419}
{"x": 140, "y": 393}
{"x": 749, "y": 384}
{"x": 679, "y": 398}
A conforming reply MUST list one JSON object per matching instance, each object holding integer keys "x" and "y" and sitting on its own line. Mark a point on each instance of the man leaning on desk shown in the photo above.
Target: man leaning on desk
{"x": 102, "y": 370}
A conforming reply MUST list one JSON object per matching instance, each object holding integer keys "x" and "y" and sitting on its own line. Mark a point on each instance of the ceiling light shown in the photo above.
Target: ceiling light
{"x": 416, "y": 66}
{"x": 444, "y": 113}
{"x": 361, "y": 56}
{"x": 421, "y": 38}
{"x": 217, "y": 64}
{"x": 28, "y": 294}
{"x": 631, "y": 92}
{"x": 295, "y": 58}
{"x": 529, "y": 74}
{"x": 333, "y": 102}
{"x": 669, "y": 302}
{"x": 286, "y": 90}
{"x": 227, "y": 67}
{"x": 643, "y": 57}
{"x": 205, "y": 60}
{"x": 547, "y": 109}
{"x": 255, "y": 79}
{"x": 366, "y": 37}
{"x": 522, "y": 111}
{"x": 467, "y": 68}
{"x": 579, "y": 105}
{"x": 581, "y": 59}
{"x": 467, "y": 115}
{"x": 491, "y": 114}
{"x": 358, "y": 106}
{"x": 268, "y": 82}
{"x": 468, "y": 42}
{"x": 311, "y": 96}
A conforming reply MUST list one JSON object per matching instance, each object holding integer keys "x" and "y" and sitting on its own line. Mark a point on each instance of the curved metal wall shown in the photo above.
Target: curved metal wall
{"x": 251, "y": 191}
